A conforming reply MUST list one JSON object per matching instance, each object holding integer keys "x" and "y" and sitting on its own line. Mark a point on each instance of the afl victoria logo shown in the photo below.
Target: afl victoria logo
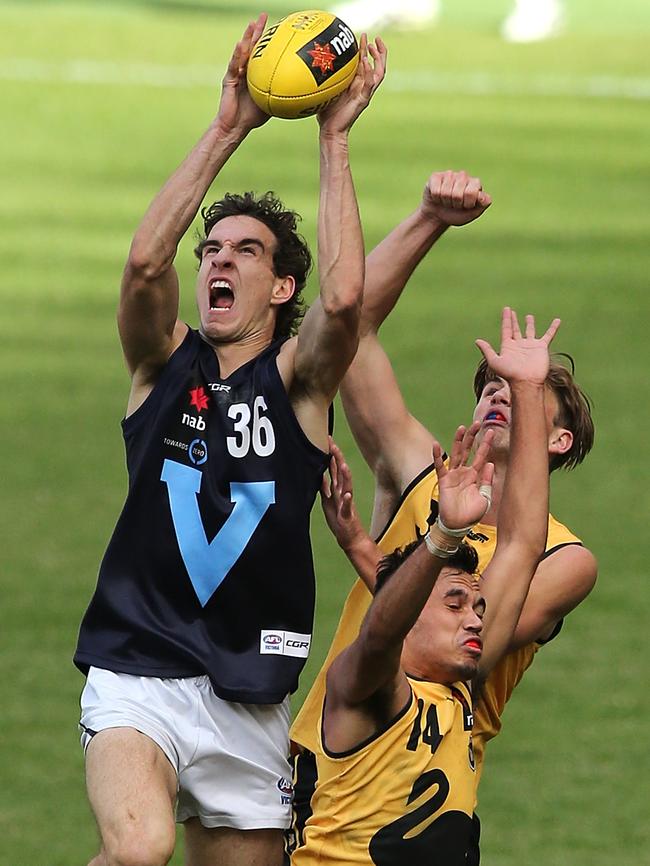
{"x": 285, "y": 786}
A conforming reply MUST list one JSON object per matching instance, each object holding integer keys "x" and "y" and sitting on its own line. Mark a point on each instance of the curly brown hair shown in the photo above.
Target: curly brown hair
{"x": 291, "y": 256}
{"x": 574, "y": 411}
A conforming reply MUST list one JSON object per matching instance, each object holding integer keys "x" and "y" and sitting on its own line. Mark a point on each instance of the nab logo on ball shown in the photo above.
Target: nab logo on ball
{"x": 330, "y": 51}
{"x": 301, "y": 63}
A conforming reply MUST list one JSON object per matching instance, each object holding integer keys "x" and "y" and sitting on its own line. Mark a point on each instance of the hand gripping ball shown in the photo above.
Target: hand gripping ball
{"x": 301, "y": 63}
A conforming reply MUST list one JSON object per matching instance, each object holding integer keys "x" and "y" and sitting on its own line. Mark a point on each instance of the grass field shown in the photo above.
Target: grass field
{"x": 100, "y": 101}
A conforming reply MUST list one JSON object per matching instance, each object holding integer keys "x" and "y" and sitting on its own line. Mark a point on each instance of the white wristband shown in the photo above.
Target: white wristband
{"x": 434, "y": 550}
{"x": 456, "y": 533}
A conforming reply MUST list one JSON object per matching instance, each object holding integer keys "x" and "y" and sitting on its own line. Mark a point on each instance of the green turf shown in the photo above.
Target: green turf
{"x": 565, "y": 783}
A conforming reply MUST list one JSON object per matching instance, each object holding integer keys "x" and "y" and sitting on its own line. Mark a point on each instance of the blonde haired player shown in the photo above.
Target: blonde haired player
{"x": 397, "y": 447}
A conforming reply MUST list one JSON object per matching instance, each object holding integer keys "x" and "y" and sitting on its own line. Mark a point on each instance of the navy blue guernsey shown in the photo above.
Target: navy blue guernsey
{"x": 209, "y": 569}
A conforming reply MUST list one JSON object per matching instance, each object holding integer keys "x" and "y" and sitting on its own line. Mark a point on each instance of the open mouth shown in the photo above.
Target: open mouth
{"x": 221, "y": 295}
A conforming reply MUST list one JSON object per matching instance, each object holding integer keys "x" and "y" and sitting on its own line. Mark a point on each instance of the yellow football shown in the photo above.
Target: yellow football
{"x": 301, "y": 63}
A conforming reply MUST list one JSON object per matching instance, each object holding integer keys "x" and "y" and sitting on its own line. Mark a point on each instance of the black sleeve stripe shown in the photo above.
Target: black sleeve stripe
{"x": 559, "y": 623}
{"x": 558, "y": 628}
{"x": 557, "y": 547}
{"x": 428, "y": 470}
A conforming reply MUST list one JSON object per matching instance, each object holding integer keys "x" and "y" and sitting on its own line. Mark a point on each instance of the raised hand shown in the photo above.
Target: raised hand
{"x": 454, "y": 198}
{"x": 521, "y": 358}
{"x": 338, "y": 502}
{"x": 340, "y": 114}
{"x": 237, "y": 111}
{"x": 465, "y": 490}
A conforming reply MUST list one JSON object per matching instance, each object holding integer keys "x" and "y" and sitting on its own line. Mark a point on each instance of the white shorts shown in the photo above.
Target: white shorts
{"x": 230, "y": 759}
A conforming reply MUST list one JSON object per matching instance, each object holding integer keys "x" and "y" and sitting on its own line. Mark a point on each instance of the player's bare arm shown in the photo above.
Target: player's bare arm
{"x": 366, "y": 685}
{"x": 394, "y": 443}
{"x": 327, "y": 339}
{"x": 561, "y": 581}
{"x": 449, "y": 198}
{"x": 148, "y": 309}
{"x": 523, "y": 361}
{"x": 337, "y": 499}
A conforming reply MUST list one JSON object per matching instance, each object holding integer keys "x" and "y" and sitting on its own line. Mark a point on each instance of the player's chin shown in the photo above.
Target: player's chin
{"x": 500, "y": 437}
{"x": 216, "y": 331}
{"x": 467, "y": 668}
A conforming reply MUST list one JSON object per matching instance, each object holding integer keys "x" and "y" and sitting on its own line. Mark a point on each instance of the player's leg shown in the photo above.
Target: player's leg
{"x": 131, "y": 787}
{"x": 128, "y": 726}
{"x": 205, "y": 846}
{"x": 235, "y": 794}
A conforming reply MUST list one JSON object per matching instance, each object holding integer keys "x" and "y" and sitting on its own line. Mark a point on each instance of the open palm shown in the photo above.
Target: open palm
{"x": 463, "y": 487}
{"x": 520, "y": 358}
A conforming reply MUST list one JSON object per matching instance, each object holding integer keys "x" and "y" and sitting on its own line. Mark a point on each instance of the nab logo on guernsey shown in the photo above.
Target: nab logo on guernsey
{"x": 199, "y": 400}
{"x": 194, "y": 423}
{"x": 285, "y": 787}
{"x": 284, "y": 643}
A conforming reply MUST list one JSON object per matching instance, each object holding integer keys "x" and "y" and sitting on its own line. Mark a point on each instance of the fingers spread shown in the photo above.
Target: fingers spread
{"x": 467, "y": 442}
{"x": 456, "y": 456}
{"x": 487, "y": 351}
{"x": 530, "y": 327}
{"x": 514, "y": 328}
{"x": 437, "y": 459}
{"x": 552, "y": 330}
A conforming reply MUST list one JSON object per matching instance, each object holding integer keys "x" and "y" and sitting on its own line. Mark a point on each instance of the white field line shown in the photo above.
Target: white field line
{"x": 93, "y": 72}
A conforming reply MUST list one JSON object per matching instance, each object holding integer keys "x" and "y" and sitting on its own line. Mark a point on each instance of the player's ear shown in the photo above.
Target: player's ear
{"x": 560, "y": 441}
{"x": 283, "y": 290}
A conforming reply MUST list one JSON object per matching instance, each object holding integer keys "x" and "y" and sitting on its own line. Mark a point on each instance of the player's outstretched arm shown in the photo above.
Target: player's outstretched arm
{"x": 365, "y": 683}
{"x": 148, "y": 309}
{"x": 328, "y": 336}
{"x": 340, "y": 512}
{"x": 450, "y": 198}
{"x": 523, "y": 361}
{"x": 394, "y": 443}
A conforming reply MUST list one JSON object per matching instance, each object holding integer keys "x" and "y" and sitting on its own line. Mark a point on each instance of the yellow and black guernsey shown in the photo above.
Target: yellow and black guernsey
{"x": 415, "y": 511}
{"x": 405, "y": 796}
